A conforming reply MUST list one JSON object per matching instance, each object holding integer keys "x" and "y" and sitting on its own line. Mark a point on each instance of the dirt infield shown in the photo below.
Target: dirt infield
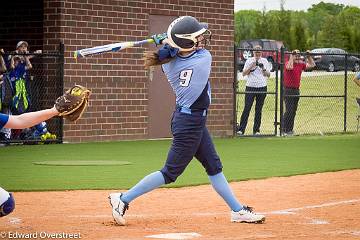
{"x": 316, "y": 206}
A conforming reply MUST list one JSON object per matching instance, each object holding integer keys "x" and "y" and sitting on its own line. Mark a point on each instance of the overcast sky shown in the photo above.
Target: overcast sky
{"x": 289, "y": 4}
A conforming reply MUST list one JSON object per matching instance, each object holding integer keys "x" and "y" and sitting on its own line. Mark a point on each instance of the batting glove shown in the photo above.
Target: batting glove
{"x": 158, "y": 38}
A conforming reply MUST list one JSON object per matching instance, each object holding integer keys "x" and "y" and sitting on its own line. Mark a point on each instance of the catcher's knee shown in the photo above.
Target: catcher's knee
{"x": 8, "y": 206}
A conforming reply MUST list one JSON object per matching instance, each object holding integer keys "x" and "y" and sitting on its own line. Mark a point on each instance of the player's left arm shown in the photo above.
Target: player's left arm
{"x": 28, "y": 64}
{"x": 266, "y": 67}
{"x": 164, "y": 55}
{"x": 30, "y": 119}
{"x": 2, "y": 62}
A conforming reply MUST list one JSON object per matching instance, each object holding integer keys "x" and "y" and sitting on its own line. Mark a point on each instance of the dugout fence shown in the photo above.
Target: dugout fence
{"x": 327, "y": 98}
{"x": 32, "y": 90}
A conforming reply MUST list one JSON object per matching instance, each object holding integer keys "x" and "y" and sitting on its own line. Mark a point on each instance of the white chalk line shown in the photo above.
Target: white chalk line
{"x": 329, "y": 204}
{"x": 201, "y": 214}
{"x": 177, "y": 236}
{"x": 17, "y": 220}
{"x": 342, "y": 232}
{"x": 14, "y": 220}
{"x": 317, "y": 221}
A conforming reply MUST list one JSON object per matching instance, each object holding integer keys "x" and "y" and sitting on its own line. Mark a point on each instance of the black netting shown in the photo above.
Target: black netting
{"x": 269, "y": 115}
{"x": 326, "y": 100}
{"x": 27, "y": 90}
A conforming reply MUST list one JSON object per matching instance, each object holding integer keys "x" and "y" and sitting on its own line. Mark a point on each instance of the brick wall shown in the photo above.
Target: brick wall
{"x": 119, "y": 101}
{"x": 21, "y": 20}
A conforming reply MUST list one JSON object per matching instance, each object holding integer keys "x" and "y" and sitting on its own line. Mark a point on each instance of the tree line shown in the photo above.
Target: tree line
{"x": 322, "y": 25}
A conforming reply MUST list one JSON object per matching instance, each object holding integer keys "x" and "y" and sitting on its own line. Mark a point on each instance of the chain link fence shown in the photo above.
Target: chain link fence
{"x": 326, "y": 97}
{"x": 27, "y": 87}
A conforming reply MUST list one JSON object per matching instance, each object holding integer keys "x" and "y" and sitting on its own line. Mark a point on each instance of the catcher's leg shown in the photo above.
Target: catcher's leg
{"x": 7, "y": 203}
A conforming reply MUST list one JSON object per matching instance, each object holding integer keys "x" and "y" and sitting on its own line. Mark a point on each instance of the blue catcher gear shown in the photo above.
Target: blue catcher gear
{"x": 8, "y": 206}
{"x": 40, "y": 130}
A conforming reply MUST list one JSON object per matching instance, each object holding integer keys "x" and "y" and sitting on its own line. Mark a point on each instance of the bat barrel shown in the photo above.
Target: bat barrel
{"x": 109, "y": 48}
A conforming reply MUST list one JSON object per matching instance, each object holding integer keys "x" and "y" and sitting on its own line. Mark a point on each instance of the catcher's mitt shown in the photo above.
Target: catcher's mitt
{"x": 73, "y": 103}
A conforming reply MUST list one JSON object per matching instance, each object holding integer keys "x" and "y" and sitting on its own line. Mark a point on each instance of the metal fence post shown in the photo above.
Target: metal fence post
{"x": 345, "y": 91}
{"x": 276, "y": 123}
{"x": 235, "y": 90}
{"x": 282, "y": 57}
{"x": 61, "y": 79}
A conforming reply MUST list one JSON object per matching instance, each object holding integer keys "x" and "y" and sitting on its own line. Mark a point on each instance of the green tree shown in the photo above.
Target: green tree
{"x": 298, "y": 36}
{"x": 349, "y": 20}
{"x": 261, "y": 26}
{"x": 245, "y": 22}
{"x": 322, "y": 25}
{"x": 350, "y": 16}
{"x": 273, "y": 18}
{"x": 330, "y": 36}
{"x": 284, "y": 26}
{"x": 329, "y": 8}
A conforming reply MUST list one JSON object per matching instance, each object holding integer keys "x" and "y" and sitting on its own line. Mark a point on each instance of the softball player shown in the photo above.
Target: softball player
{"x": 7, "y": 201}
{"x": 186, "y": 64}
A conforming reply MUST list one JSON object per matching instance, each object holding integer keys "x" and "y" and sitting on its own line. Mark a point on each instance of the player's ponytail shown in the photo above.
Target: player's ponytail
{"x": 151, "y": 58}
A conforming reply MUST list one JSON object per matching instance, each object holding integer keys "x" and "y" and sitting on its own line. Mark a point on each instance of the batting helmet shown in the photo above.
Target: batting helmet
{"x": 183, "y": 32}
{"x": 8, "y": 206}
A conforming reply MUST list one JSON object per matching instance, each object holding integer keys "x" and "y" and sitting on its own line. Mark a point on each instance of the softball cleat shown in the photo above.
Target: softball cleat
{"x": 246, "y": 215}
{"x": 118, "y": 208}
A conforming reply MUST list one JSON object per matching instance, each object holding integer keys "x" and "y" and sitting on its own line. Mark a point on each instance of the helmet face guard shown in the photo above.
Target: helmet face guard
{"x": 184, "y": 31}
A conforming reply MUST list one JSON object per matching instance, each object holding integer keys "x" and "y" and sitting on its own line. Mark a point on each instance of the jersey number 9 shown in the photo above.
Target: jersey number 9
{"x": 185, "y": 77}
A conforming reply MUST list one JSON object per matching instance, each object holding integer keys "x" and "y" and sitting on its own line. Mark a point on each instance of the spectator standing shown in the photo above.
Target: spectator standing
{"x": 257, "y": 71}
{"x": 292, "y": 76}
{"x": 19, "y": 76}
{"x": 5, "y": 94}
{"x": 356, "y": 79}
{"x": 2, "y": 63}
{"x": 2, "y": 75}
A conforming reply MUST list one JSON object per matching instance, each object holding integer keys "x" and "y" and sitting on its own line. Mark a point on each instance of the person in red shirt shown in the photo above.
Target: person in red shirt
{"x": 292, "y": 76}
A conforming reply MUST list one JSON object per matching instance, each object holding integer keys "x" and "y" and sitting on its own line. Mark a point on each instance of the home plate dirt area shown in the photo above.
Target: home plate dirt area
{"x": 314, "y": 206}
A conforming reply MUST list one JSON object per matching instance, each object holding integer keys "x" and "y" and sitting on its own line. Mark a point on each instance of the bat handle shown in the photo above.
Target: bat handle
{"x": 76, "y": 54}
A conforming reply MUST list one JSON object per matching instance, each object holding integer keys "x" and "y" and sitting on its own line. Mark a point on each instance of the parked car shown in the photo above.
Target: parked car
{"x": 266, "y": 44}
{"x": 332, "y": 63}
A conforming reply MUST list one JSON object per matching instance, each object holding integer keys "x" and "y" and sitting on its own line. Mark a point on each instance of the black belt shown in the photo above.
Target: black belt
{"x": 201, "y": 112}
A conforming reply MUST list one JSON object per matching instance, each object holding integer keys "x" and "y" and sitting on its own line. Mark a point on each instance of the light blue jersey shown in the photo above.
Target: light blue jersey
{"x": 189, "y": 77}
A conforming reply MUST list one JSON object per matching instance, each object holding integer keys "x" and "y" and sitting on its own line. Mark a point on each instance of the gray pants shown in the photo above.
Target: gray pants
{"x": 291, "y": 99}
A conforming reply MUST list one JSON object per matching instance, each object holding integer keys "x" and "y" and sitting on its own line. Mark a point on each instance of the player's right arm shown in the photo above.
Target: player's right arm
{"x": 356, "y": 79}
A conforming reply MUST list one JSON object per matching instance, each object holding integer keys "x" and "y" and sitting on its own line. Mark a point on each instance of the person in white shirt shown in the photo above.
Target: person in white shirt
{"x": 257, "y": 71}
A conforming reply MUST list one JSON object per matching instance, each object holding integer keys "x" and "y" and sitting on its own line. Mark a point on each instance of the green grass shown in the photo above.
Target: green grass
{"x": 314, "y": 115}
{"x": 242, "y": 159}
